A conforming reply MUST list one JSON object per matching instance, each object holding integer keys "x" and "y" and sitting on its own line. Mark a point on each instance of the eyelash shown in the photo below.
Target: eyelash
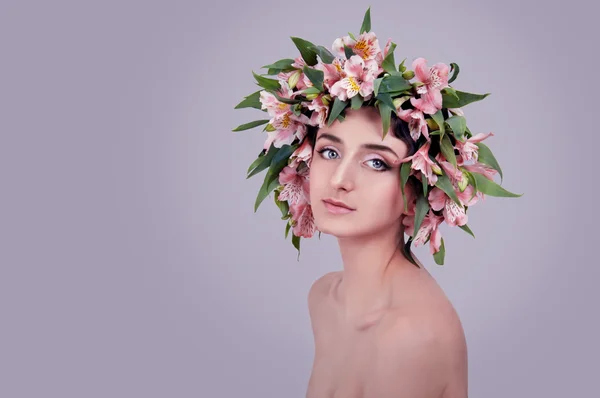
{"x": 385, "y": 166}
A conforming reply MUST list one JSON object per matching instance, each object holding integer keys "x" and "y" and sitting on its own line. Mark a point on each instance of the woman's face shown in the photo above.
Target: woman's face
{"x": 352, "y": 164}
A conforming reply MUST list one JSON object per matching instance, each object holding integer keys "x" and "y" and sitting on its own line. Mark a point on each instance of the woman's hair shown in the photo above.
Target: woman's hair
{"x": 401, "y": 131}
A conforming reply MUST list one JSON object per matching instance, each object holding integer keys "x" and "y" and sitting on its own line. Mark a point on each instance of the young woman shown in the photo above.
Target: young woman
{"x": 382, "y": 327}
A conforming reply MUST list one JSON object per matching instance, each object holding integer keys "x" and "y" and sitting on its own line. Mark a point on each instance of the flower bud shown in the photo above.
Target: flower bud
{"x": 270, "y": 127}
{"x": 436, "y": 169}
{"x": 432, "y": 124}
{"x": 293, "y": 79}
{"x": 402, "y": 67}
{"x": 311, "y": 96}
{"x": 399, "y": 101}
{"x": 462, "y": 184}
{"x": 409, "y": 74}
{"x": 326, "y": 99}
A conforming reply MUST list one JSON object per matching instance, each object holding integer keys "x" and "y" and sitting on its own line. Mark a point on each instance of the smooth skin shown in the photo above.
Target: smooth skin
{"x": 383, "y": 328}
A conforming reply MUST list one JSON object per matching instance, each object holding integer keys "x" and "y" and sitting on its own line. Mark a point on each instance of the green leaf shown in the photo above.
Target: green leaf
{"x": 455, "y": 70}
{"x": 443, "y": 183}
{"x": 449, "y": 101}
{"x": 283, "y": 205}
{"x": 284, "y": 65}
{"x": 438, "y": 117}
{"x": 296, "y": 243}
{"x": 264, "y": 82}
{"x": 267, "y": 187}
{"x": 352, "y": 36}
{"x": 448, "y": 150}
{"x": 458, "y": 124}
{"x": 424, "y": 183}
{"x": 348, "y": 51}
{"x": 467, "y": 229}
{"x": 307, "y": 50}
{"x": 489, "y": 187}
{"x": 393, "y": 83}
{"x": 251, "y": 125}
{"x": 287, "y": 229}
{"x": 450, "y": 91}
{"x": 439, "y": 256}
{"x": 325, "y": 55}
{"x": 389, "y": 65}
{"x": 420, "y": 212}
{"x": 336, "y": 109}
{"x": 315, "y": 76}
{"x": 385, "y": 112}
{"x": 290, "y": 101}
{"x": 366, "y": 25}
{"x": 387, "y": 99}
{"x": 376, "y": 84}
{"x": 250, "y": 101}
{"x": 485, "y": 156}
{"x": 356, "y": 101}
{"x": 404, "y": 174}
{"x": 264, "y": 163}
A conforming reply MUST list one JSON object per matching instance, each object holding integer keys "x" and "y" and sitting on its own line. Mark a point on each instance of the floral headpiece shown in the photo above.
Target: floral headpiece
{"x": 454, "y": 168}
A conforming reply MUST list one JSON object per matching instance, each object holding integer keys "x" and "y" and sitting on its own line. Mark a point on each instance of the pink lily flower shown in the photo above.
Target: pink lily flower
{"x": 333, "y": 72}
{"x": 453, "y": 173}
{"x": 429, "y": 228}
{"x": 296, "y": 185}
{"x": 482, "y": 168}
{"x": 366, "y": 46}
{"x": 435, "y": 79}
{"x": 273, "y": 106}
{"x": 288, "y": 127}
{"x": 416, "y": 122}
{"x": 422, "y": 163}
{"x": 302, "y": 154}
{"x": 454, "y": 214}
{"x": 359, "y": 79}
{"x": 320, "y": 112}
{"x": 304, "y": 222}
{"x": 468, "y": 150}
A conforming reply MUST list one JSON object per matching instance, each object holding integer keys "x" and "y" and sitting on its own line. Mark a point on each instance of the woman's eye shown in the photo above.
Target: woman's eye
{"x": 379, "y": 164}
{"x": 327, "y": 150}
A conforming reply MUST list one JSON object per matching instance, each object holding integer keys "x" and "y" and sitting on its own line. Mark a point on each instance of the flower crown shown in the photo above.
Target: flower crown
{"x": 451, "y": 164}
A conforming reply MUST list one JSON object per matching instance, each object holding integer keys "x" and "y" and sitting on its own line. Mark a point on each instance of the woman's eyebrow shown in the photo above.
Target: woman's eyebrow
{"x": 367, "y": 146}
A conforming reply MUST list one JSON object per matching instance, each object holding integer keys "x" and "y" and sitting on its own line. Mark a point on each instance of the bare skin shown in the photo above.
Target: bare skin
{"x": 349, "y": 352}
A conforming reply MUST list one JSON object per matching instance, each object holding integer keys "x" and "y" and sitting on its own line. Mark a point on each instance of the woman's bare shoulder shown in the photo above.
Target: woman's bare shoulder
{"x": 319, "y": 291}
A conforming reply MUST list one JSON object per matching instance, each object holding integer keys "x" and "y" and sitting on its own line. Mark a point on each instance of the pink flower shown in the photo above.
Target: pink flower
{"x": 422, "y": 163}
{"x": 454, "y": 214}
{"x": 429, "y": 228}
{"x": 435, "y": 79}
{"x": 416, "y": 122}
{"x": 366, "y": 46}
{"x": 468, "y": 150}
{"x": 295, "y": 185}
{"x": 481, "y": 168}
{"x": 320, "y": 112}
{"x": 304, "y": 222}
{"x": 273, "y": 106}
{"x": 333, "y": 72}
{"x": 453, "y": 173}
{"x": 359, "y": 79}
{"x": 381, "y": 56}
{"x": 302, "y": 154}
{"x": 288, "y": 127}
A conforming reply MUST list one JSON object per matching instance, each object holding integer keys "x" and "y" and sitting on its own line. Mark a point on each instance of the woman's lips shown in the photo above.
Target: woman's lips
{"x": 336, "y": 209}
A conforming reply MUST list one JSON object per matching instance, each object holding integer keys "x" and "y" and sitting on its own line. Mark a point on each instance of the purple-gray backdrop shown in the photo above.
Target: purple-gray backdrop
{"x": 132, "y": 264}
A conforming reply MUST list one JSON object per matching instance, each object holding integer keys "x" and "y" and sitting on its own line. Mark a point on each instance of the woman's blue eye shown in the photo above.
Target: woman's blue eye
{"x": 382, "y": 165}
{"x": 326, "y": 149}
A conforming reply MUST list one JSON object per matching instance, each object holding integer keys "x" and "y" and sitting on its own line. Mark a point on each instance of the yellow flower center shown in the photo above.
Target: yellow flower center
{"x": 353, "y": 84}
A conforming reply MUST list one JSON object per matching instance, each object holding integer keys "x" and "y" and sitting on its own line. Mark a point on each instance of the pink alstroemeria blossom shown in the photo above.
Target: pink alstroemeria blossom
{"x": 366, "y": 46}
{"x": 435, "y": 79}
{"x": 429, "y": 228}
{"x": 454, "y": 214}
{"x": 295, "y": 185}
{"x": 453, "y": 173}
{"x": 320, "y": 112}
{"x": 302, "y": 154}
{"x": 288, "y": 127}
{"x": 304, "y": 222}
{"x": 416, "y": 122}
{"x": 332, "y": 73}
{"x": 481, "y": 168}
{"x": 468, "y": 150}
{"x": 421, "y": 162}
{"x": 273, "y": 106}
{"x": 359, "y": 79}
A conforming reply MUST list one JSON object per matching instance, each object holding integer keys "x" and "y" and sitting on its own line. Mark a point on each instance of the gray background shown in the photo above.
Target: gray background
{"x": 133, "y": 265}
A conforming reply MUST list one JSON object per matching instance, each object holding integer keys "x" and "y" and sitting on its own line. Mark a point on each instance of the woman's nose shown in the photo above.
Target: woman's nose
{"x": 343, "y": 176}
